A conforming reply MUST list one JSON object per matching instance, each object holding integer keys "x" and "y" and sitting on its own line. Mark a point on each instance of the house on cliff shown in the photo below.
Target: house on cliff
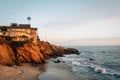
{"x": 19, "y": 32}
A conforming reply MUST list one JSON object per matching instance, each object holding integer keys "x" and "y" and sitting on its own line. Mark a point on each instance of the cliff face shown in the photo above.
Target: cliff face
{"x": 6, "y": 55}
{"x": 30, "y": 53}
{"x": 14, "y": 53}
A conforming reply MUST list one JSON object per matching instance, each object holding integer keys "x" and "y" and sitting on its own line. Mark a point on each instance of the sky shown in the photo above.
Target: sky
{"x": 67, "y": 22}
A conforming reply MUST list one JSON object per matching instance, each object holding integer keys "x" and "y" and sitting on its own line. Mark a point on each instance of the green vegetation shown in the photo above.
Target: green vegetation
{"x": 3, "y": 29}
{"x": 38, "y": 39}
{"x": 14, "y": 24}
{"x": 13, "y": 45}
{"x": 8, "y": 38}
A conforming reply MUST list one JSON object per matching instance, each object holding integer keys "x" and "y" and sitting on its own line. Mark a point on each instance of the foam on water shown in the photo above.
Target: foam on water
{"x": 99, "y": 69}
{"x": 76, "y": 63}
{"x": 67, "y": 59}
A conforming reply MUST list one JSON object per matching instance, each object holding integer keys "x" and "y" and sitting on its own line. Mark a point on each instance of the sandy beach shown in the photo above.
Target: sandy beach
{"x": 24, "y": 72}
{"x": 48, "y": 71}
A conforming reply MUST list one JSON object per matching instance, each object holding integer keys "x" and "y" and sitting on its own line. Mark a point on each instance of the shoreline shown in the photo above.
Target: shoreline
{"x": 48, "y": 71}
{"x": 56, "y": 71}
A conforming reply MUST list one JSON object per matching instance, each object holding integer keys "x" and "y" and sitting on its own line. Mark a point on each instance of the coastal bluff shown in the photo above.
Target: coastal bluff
{"x": 12, "y": 52}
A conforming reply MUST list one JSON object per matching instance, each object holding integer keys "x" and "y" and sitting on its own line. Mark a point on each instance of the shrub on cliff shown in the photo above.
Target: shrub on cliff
{"x": 14, "y": 24}
{"x": 3, "y": 28}
{"x": 8, "y": 38}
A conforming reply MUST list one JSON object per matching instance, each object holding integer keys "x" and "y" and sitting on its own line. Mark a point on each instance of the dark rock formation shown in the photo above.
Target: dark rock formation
{"x": 91, "y": 59}
{"x": 71, "y": 51}
{"x": 57, "y": 61}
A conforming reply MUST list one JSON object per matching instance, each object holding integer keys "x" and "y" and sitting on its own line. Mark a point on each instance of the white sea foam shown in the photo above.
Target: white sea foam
{"x": 67, "y": 59}
{"x": 76, "y": 63}
{"x": 99, "y": 69}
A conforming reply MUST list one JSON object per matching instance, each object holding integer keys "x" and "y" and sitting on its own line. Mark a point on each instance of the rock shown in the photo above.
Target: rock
{"x": 71, "y": 51}
{"x": 57, "y": 61}
{"x": 91, "y": 59}
{"x": 50, "y": 50}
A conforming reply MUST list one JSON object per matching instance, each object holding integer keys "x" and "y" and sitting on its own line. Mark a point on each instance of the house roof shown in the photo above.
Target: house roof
{"x": 17, "y": 27}
{"x": 22, "y": 28}
{"x": 25, "y": 25}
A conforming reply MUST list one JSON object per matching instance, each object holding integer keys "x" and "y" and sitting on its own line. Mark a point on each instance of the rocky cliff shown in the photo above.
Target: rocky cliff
{"x": 6, "y": 55}
{"x": 22, "y": 52}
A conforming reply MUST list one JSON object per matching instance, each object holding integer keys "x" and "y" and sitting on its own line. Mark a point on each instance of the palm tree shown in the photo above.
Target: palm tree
{"x": 28, "y": 18}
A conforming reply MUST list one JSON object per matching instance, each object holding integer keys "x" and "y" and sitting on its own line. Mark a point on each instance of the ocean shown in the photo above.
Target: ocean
{"x": 95, "y": 62}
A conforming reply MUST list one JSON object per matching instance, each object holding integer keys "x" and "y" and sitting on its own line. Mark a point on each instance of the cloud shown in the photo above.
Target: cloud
{"x": 88, "y": 42}
{"x": 86, "y": 27}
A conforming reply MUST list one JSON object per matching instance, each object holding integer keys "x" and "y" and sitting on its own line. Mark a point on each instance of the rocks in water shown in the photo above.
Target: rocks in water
{"x": 71, "y": 51}
{"x": 57, "y": 61}
{"x": 91, "y": 59}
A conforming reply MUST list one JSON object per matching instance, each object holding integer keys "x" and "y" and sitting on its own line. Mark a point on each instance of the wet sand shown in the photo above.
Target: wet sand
{"x": 24, "y": 72}
{"x": 56, "y": 71}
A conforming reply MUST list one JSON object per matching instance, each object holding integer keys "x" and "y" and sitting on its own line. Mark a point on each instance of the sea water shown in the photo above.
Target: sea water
{"x": 95, "y": 62}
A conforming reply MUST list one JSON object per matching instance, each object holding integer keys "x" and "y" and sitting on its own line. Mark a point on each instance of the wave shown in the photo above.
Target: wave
{"x": 102, "y": 70}
{"x": 66, "y": 59}
{"x": 76, "y": 63}
{"x": 117, "y": 75}
{"x": 99, "y": 69}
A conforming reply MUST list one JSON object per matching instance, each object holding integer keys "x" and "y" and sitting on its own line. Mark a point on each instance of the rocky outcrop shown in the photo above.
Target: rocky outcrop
{"x": 71, "y": 51}
{"x": 35, "y": 53}
{"x": 50, "y": 50}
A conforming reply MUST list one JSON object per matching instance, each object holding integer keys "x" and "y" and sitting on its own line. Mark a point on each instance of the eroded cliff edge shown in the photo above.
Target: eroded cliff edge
{"x": 28, "y": 52}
